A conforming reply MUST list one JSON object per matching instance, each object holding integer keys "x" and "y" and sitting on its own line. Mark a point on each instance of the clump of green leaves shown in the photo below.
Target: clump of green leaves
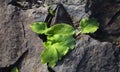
{"x": 59, "y": 41}
{"x": 89, "y": 25}
{"x": 15, "y": 69}
{"x": 60, "y": 38}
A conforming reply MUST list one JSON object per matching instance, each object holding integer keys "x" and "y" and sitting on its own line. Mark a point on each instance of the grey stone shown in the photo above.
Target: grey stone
{"x": 99, "y": 56}
{"x": 75, "y": 8}
{"x": 89, "y": 55}
{"x": 16, "y": 38}
{"x": 108, "y": 14}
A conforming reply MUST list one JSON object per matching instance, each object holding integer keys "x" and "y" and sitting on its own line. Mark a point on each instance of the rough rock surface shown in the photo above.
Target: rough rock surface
{"x": 89, "y": 55}
{"x": 75, "y": 8}
{"x": 107, "y": 12}
{"x": 20, "y": 47}
{"x": 16, "y": 38}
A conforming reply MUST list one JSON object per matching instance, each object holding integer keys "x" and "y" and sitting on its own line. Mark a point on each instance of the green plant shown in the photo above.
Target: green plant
{"x": 88, "y": 25}
{"x": 60, "y": 38}
{"x": 15, "y": 69}
{"x": 59, "y": 41}
{"x": 39, "y": 27}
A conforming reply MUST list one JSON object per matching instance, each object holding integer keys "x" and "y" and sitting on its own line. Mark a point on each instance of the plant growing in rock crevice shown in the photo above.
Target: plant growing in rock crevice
{"x": 59, "y": 41}
{"x": 60, "y": 38}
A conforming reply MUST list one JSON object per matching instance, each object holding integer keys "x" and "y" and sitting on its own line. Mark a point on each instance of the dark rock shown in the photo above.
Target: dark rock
{"x": 12, "y": 36}
{"x": 26, "y": 4}
{"x": 60, "y": 16}
{"x": 75, "y": 8}
{"x": 108, "y": 14}
{"x": 89, "y": 55}
{"x": 16, "y": 38}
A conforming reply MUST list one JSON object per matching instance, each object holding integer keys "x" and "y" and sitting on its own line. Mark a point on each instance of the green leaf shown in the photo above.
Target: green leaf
{"x": 89, "y": 25}
{"x": 50, "y": 56}
{"x": 61, "y": 49}
{"x": 47, "y": 44}
{"x": 70, "y": 42}
{"x": 51, "y": 11}
{"x": 39, "y": 27}
{"x": 60, "y": 29}
{"x": 67, "y": 40}
{"x": 59, "y": 41}
{"x": 15, "y": 69}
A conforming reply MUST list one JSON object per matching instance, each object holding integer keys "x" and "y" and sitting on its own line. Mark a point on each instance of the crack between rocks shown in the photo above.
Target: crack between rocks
{"x": 50, "y": 69}
{"x": 16, "y": 64}
{"x": 23, "y": 27}
{"x": 83, "y": 58}
{"x": 116, "y": 55}
{"x": 14, "y": 3}
{"x": 113, "y": 18}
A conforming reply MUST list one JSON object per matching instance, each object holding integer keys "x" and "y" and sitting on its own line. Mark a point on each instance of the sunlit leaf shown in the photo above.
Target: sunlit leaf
{"x": 50, "y": 56}
{"x": 60, "y": 29}
{"x": 70, "y": 42}
{"x": 61, "y": 49}
{"x": 39, "y": 27}
{"x": 59, "y": 41}
{"x": 15, "y": 69}
{"x": 89, "y": 25}
{"x": 67, "y": 40}
{"x": 47, "y": 44}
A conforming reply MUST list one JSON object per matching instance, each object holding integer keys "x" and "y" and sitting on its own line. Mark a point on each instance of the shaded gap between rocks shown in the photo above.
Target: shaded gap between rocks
{"x": 25, "y": 4}
{"x": 97, "y": 9}
{"x": 16, "y": 64}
